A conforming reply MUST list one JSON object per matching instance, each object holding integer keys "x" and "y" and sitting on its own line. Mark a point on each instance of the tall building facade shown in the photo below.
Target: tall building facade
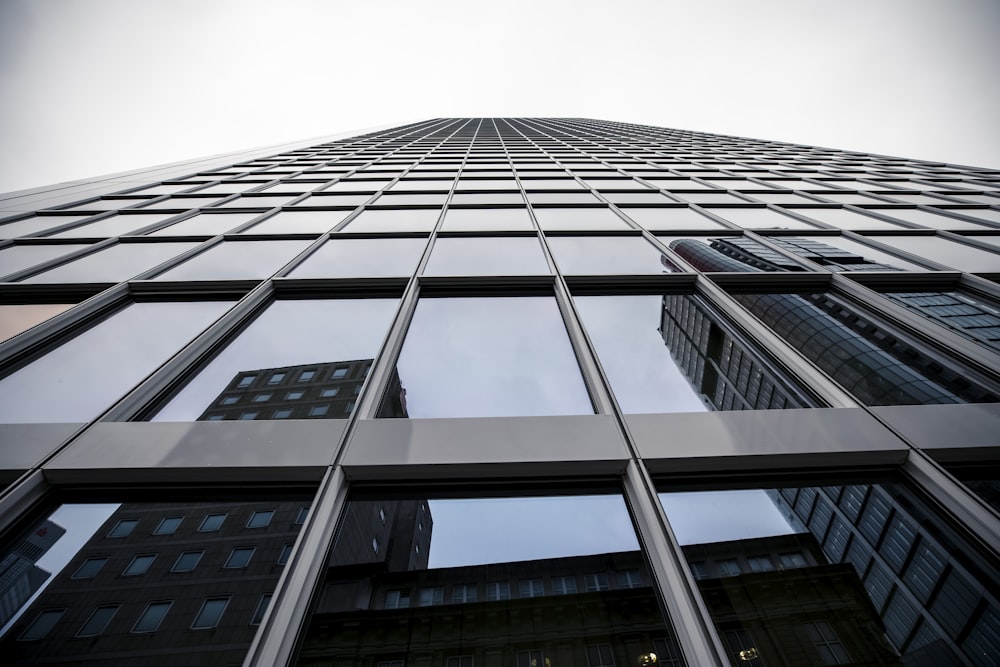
{"x": 516, "y": 383}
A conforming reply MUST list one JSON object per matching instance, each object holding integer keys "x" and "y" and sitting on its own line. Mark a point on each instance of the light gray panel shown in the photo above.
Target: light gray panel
{"x": 25, "y": 445}
{"x": 948, "y": 432}
{"x": 397, "y": 448}
{"x": 200, "y": 451}
{"x": 773, "y": 439}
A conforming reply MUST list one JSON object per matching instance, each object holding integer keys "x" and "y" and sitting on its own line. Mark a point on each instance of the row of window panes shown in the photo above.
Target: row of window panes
{"x": 187, "y": 561}
{"x": 211, "y": 523}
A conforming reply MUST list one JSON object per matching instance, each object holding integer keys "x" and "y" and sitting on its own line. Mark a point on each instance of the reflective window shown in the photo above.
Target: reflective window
{"x": 206, "y": 224}
{"x": 35, "y": 224}
{"x": 139, "y": 565}
{"x": 393, "y": 199}
{"x": 187, "y": 561}
{"x": 251, "y": 201}
{"x": 394, "y": 220}
{"x": 561, "y": 198}
{"x": 115, "y": 264}
{"x": 289, "y": 336}
{"x": 20, "y": 257}
{"x": 210, "y": 613}
{"x": 834, "y": 591}
{"x": 670, "y": 218}
{"x": 151, "y": 617}
{"x": 235, "y": 260}
{"x": 971, "y": 316}
{"x": 486, "y": 219}
{"x": 843, "y": 218}
{"x": 552, "y": 219}
{"x": 590, "y": 255}
{"x": 760, "y": 218}
{"x": 488, "y": 564}
{"x": 17, "y": 318}
{"x": 98, "y": 621}
{"x": 42, "y": 625}
{"x": 168, "y": 526}
{"x": 299, "y": 222}
{"x": 672, "y": 354}
{"x": 479, "y": 357}
{"x": 503, "y": 256}
{"x": 487, "y": 199}
{"x": 931, "y": 220}
{"x": 116, "y": 225}
{"x": 357, "y": 258}
{"x": 90, "y": 567}
{"x": 239, "y": 557}
{"x": 74, "y": 382}
{"x": 950, "y": 253}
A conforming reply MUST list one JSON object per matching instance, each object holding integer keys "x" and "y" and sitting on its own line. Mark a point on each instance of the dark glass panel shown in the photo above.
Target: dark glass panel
{"x": 236, "y": 260}
{"x": 357, "y": 258}
{"x": 503, "y": 256}
{"x": 115, "y": 264}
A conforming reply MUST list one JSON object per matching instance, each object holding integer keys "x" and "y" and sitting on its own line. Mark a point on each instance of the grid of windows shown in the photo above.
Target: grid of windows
{"x": 500, "y": 274}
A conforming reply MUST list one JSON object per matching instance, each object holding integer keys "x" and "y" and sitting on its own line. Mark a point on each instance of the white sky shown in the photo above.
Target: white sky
{"x": 96, "y": 86}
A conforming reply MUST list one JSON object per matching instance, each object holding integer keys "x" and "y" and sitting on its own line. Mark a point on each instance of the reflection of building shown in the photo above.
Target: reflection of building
{"x": 161, "y": 581}
{"x": 310, "y": 391}
{"x": 20, "y": 577}
{"x": 570, "y": 611}
{"x": 164, "y": 581}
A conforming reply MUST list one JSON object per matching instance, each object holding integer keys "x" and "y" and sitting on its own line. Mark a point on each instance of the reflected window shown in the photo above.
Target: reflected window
{"x": 187, "y": 561}
{"x": 477, "y": 357}
{"x": 260, "y": 609}
{"x": 123, "y": 528}
{"x": 239, "y": 557}
{"x": 210, "y": 613}
{"x": 151, "y": 617}
{"x": 90, "y": 567}
{"x": 211, "y": 523}
{"x": 42, "y": 625}
{"x": 139, "y": 565}
{"x": 98, "y": 621}
{"x": 168, "y": 526}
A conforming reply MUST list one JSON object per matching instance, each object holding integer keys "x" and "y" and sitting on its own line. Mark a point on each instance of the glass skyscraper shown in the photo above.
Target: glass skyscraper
{"x": 504, "y": 392}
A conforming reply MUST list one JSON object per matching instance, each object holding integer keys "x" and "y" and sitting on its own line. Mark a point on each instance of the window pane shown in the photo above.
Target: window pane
{"x": 20, "y": 257}
{"x": 394, "y": 220}
{"x": 589, "y": 255}
{"x": 670, "y": 218}
{"x": 974, "y": 317}
{"x": 552, "y": 219}
{"x": 115, "y": 264}
{"x": 206, "y": 224}
{"x": 210, "y": 613}
{"x": 35, "y": 224}
{"x": 479, "y": 357}
{"x": 74, "y": 382}
{"x": 486, "y": 256}
{"x": 299, "y": 222}
{"x": 288, "y": 337}
{"x": 845, "y": 219}
{"x": 359, "y": 258}
{"x": 116, "y": 225}
{"x": 151, "y": 617}
{"x": 236, "y": 260}
{"x": 760, "y": 218}
{"x": 487, "y": 563}
{"x": 486, "y": 219}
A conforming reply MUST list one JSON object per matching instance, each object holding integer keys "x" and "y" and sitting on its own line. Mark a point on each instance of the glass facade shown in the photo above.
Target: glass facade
{"x": 505, "y": 392}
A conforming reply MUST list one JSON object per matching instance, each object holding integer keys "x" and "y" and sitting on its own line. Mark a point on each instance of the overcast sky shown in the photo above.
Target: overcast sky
{"x": 96, "y": 86}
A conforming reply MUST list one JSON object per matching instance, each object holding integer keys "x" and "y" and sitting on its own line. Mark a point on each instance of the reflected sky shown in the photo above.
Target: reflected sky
{"x": 500, "y": 530}
{"x": 75, "y": 382}
{"x": 720, "y": 516}
{"x": 288, "y": 333}
{"x": 490, "y": 357}
{"x": 625, "y": 331}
